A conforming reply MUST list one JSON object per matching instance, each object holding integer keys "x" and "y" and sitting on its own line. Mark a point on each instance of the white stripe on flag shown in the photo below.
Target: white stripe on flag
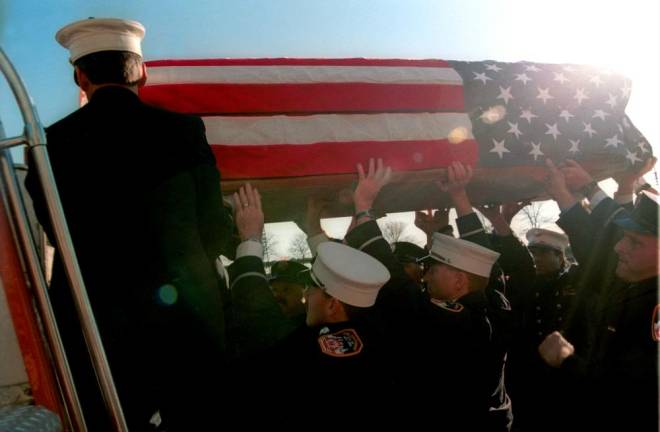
{"x": 301, "y": 75}
{"x": 337, "y": 128}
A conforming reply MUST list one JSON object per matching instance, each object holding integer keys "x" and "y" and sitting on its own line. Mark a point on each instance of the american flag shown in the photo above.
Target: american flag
{"x": 277, "y": 118}
{"x": 269, "y": 118}
{"x": 523, "y": 112}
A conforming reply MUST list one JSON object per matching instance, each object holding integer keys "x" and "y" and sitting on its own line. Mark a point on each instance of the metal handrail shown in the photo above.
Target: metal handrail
{"x": 36, "y": 140}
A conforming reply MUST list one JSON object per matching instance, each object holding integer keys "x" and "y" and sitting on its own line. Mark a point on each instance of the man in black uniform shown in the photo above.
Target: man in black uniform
{"x": 141, "y": 194}
{"x": 614, "y": 363}
{"x": 338, "y": 354}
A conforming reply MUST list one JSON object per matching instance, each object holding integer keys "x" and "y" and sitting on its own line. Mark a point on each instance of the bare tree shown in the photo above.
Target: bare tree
{"x": 269, "y": 242}
{"x": 298, "y": 248}
{"x": 393, "y": 230}
{"x": 535, "y": 215}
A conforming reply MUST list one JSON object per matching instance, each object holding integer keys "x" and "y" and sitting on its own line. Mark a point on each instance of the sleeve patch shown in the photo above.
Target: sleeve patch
{"x": 344, "y": 343}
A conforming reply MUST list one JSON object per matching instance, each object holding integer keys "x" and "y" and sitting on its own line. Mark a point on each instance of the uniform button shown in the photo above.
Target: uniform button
{"x": 538, "y": 321}
{"x": 556, "y": 293}
{"x": 538, "y": 308}
{"x": 537, "y": 295}
{"x": 558, "y": 306}
{"x": 559, "y": 319}
{"x": 540, "y": 334}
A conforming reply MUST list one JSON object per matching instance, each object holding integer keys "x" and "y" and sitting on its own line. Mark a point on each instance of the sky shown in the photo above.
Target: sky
{"x": 623, "y": 36}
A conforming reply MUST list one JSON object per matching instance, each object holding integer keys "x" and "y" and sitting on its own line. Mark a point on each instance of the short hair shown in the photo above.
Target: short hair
{"x": 354, "y": 313}
{"x": 111, "y": 67}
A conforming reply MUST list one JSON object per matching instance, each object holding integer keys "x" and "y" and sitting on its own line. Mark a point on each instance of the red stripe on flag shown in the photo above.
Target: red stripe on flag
{"x": 299, "y": 62}
{"x": 304, "y": 98}
{"x": 246, "y": 162}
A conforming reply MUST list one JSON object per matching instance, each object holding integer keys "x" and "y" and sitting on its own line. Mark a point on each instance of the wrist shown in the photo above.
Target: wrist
{"x": 365, "y": 214}
{"x": 589, "y": 189}
{"x": 253, "y": 237}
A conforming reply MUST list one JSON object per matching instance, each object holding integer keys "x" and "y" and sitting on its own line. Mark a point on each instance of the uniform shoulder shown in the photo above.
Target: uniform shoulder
{"x": 173, "y": 117}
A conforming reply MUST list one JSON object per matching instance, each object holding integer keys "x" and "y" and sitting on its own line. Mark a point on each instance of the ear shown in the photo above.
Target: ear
{"x": 81, "y": 79}
{"x": 462, "y": 283}
{"x": 334, "y": 308}
{"x": 143, "y": 79}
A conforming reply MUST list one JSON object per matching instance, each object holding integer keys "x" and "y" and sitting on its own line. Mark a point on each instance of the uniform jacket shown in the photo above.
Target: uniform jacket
{"x": 141, "y": 195}
{"x": 615, "y": 336}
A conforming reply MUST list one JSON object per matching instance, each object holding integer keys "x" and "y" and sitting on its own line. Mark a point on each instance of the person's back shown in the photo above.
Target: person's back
{"x": 141, "y": 195}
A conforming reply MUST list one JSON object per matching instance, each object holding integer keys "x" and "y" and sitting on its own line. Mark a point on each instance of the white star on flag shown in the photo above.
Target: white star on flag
{"x": 481, "y": 77}
{"x": 493, "y": 67}
{"x": 536, "y": 150}
{"x": 566, "y": 115}
{"x": 532, "y": 68}
{"x": 574, "y": 146}
{"x": 614, "y": 141}
{"x": 611, "y": 100}
{"x": 528, "y": 115}
{"x": 588, "y": 129}
{"x": 559, "y": 76}
{"x": 596, "y": 80}
{"x": 552, "y": 130}
{"x": 523, "y": 77}
{"x": 580, "y": 95}
{"x": 505, "y": 93}
{"x": 600, "y": 114}
{"x": 513, "y": 129}
{"x": 632, "y": 157}
{"x": 544, "y": 94}
{"x": 625, "y": 90}
{"x": 499, "y": 148}
{"x": 642, "y": 147}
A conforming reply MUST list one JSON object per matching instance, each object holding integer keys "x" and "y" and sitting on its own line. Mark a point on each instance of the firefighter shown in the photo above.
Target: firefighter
{"x": 141, "y": 195}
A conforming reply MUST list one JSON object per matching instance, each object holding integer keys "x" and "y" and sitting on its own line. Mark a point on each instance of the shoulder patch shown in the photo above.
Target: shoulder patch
{"x": 344, "y": 343}
{"x": 655, "y": 324}
{"x": 450, "y": 306}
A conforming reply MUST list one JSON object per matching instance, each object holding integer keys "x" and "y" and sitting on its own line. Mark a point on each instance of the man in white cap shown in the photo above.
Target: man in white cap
{"x": 141, "y": 194}
{"x": 337, "y": 345}
{"x": 455, "y": 329}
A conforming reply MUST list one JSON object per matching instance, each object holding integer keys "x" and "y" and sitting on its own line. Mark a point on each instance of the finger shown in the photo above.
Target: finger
{"x": 469, "y": 171}
{"x": 249, "y": 194}
{"x": 451, "y": 174}
{"x": 572, "y": 163}
{"x": 243, "y": 195}
{"x": 360, "y": 169}
{"x": 551, "y": 167}
{"x": 371, "y": 167}
{"x": 238, "y": 206}
{"x": 257, "y": 199}
{"x": 387, "y": 176}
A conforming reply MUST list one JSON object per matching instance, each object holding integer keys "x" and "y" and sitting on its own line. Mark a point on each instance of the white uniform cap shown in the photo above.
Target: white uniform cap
{"x": 349, "y": 275}
{"x": 546, "y": 238}
{"x": 463, "y": 255}
{"x": 101, "y": 34}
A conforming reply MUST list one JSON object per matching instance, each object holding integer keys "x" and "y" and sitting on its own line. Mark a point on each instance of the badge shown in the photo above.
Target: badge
{"x": 655, "y": 324}
{"x": 450, "y": 306}
{"x": 344, "y": 343}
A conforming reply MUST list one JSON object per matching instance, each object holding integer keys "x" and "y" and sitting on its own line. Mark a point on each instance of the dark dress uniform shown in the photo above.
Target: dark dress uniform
{"x": 141, "y": 194}
{"x": 453, "y": 351}
{"x": 614, "y": 370}
{"x": 342, "y": 366}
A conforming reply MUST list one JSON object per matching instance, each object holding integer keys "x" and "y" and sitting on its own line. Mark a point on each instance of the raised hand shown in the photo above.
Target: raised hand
{"x": 430, "y": 222}
{"x": 575, "y": 176}
{"x": 370, "y": 183}
{"x": 248, "y": 215}
{"x": 555, "y": 186}
{"x": 458, "y": 177}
